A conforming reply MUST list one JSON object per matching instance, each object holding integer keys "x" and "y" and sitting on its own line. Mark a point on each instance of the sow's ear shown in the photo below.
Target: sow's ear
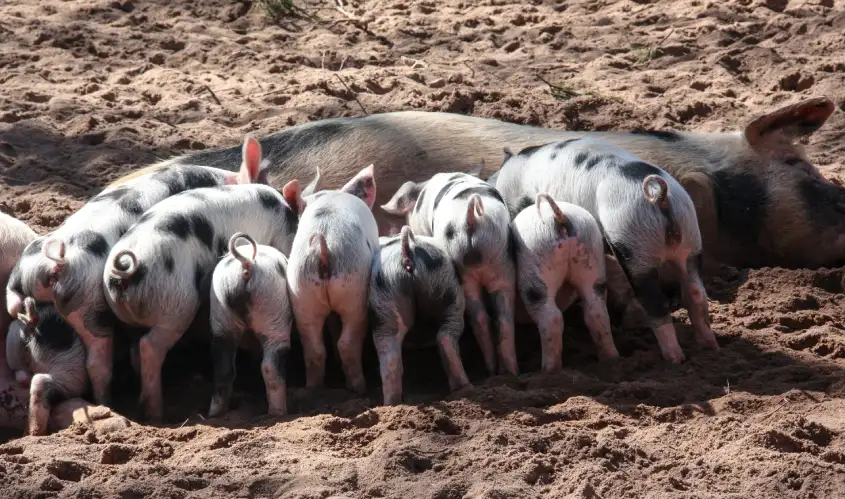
{"x": 363, "y": 186}
{"x": 791, "y": 122}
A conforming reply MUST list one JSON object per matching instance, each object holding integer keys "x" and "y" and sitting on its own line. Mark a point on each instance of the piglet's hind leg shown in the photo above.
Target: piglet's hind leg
{"x": 42, "y": 393}
{"x": 598, "y": 322}
{"x": 223, "y": 352}
{"x": 153, "y": 349}
{"x": 274, "y": 370}
{"x": 478, "y": 320}
{"x": 694, "y": 297}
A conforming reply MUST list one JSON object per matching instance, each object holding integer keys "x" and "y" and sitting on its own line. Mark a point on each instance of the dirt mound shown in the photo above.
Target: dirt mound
{"x": 95, "y": 88}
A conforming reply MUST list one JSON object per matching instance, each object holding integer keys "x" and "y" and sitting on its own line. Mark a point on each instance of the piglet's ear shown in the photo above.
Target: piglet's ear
{"x": 315, "y": 184}
{"x": 790, "y": 122}
{"x": 251, "y": 163}
{"x": 404, "y": 200}
{"x": 477, "y": 169}
{"x": 293, "y": 196}
{"x": 363, "y": 186}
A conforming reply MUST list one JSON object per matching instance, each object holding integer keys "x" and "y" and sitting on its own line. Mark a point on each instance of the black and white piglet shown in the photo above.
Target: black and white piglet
{"x": 647, "y": 218}
{"x": 414, "y": 284}
{"x": 45, "y": 353}
{"x": 14, "y": 237}
{"x": 559, "y": 247}
{"x": 66, "y": 266}
{"x": 158, "y": 274}
{"x": 329, "y": 271}
{"x": 470, "y": 220}
{"x": 249, "y": 294}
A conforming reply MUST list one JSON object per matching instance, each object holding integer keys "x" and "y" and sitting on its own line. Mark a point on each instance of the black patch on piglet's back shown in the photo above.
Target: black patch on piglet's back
{"x": 130, "y": 202}
{"x": 203, "y": 230}
{"x": 638, "y": 170}
{"x": 482, "y": 190}
{"x": 269, "y": 200}
{"x": 177, "y": 224}
{"x": 90, "y": 242}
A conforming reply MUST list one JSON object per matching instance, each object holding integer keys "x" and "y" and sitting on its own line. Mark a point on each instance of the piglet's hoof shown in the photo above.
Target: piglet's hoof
{"x": 100, "y": 418}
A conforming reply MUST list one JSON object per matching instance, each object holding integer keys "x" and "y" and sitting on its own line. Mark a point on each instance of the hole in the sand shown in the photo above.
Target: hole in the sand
{"x": 411, "y": 461}
{"x": 117, "y": 454}
{"x": 70, "y": 471}
{"x": 829, "y": 280}
{"x": 190, "y": 483}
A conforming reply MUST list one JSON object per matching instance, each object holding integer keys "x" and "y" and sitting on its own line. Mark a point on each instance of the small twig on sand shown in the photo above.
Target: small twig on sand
{"x": 664, "y": 38}
{"x": 185, "y": 422}
{"x": 557, "y": 91}
{"x": 339, "y": 6}
{"x": 355, "y": 94}
{"x": 494, "y": 75}
{"x": 271, "y": 92}
{"x": 164, "y": 121}
{"x": 207, "y": 89}
{"x": 471, "y": 71}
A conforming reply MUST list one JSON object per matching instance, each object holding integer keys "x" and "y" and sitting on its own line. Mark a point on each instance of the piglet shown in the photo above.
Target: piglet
{"x": 159, "y": 273}
{"x": 46, "y": 354}
{"x": 66, "y": 266}
{"x": 415, "y": 285}
{"x": 329, "y": 271}
{"x": 249, "y": 293}
{"x": 470, "y": 220}
{"x": 14, "y": 237}
{"x": 561, "y": 247}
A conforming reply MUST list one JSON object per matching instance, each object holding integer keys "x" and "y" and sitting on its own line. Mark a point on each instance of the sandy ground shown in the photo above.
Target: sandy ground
{"x": 90, "y": 90}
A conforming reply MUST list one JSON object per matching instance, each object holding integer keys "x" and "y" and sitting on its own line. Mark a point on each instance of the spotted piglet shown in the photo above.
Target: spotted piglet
{"x": 329, "y": 271}
{"x": 249, "y": 294}
{"x": 647, "y": 218}
{"x": 159, "y": 273}
{"x": 470, "y": 220}
{"x": 45, "y": 352}
{"x": 558, "y": 247}
{"x": 66, "y": 266}
{"x": 413, "y": 284}
{"x": 14, "y": 237}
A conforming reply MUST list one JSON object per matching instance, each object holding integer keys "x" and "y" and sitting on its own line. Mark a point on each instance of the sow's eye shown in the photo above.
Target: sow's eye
{"x": 794, "y": 162}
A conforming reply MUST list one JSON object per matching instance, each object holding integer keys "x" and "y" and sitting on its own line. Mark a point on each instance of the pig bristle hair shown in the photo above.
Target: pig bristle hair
{"x": 58, "y": 258}
{"x": 130, "y": 270}
{"x": 560, "y": 218}
{"x": 406, "y": 237}
{"x": 245, "y": 261}
{"x": 475, "y": 209}
{"x": 660, "y": 199}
